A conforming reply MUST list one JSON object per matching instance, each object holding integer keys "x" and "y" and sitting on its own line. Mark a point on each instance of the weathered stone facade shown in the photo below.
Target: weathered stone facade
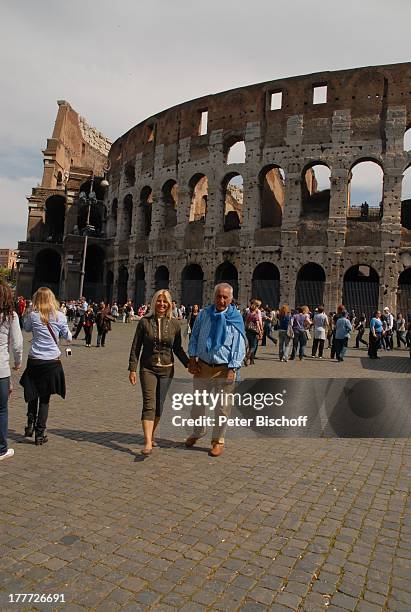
{"x": 52, "y": 253}
{"x": 176, "y": 216}
{"x": 366, "y": 114}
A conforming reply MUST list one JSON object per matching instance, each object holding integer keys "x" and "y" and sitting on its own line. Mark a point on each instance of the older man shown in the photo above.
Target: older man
{"x": 216, "y": 350}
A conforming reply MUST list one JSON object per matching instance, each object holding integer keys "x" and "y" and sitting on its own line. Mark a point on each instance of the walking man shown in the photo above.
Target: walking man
{"x": 216, "y": 350}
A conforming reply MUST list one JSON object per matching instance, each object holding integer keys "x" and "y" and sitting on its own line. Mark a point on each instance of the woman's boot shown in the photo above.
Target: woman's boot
{"x": 31, "y": 423}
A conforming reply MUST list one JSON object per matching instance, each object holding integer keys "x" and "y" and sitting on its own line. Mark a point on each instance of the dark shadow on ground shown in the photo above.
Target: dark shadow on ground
{"x": 387, "y": 364}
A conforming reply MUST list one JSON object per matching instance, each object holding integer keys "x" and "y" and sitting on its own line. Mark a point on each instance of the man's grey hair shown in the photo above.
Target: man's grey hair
{"x": 224, "y": 286}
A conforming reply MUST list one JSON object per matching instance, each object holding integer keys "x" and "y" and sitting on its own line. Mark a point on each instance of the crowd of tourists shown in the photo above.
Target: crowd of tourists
{"x": 222, "y": 339}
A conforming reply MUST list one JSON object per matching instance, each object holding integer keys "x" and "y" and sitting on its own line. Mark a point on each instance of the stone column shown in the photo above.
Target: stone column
{"x": 251, "y": 210}
{"x": 391, "y": 221}
{"x": 292, "y": 210}
{"x": 337, "y": 219}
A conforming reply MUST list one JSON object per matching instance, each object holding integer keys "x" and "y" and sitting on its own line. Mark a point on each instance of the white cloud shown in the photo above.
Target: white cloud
{"x": 14, "y": 210}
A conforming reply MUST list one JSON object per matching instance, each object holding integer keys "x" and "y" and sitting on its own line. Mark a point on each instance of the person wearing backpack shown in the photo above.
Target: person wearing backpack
{"x": 11, "y": 340}
{"x": 44, "y": 374}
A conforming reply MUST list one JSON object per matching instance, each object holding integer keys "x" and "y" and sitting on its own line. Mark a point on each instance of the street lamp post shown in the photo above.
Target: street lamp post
{"x": 90, "y": 199}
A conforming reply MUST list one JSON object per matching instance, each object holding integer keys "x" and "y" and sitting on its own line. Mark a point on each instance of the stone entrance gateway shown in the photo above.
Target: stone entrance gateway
{"x": 309, "y": 288}
{"x": 192, "y": 285}
{"x": 266, "y": 284}
{"x": 47, "y": 271}
{"x": 360, "y": 290}
{"x": 227, "y": 273}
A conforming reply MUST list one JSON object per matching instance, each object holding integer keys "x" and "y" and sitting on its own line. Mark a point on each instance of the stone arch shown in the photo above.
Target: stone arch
{"x": 146, "y": 203}
{"x": 94, "y": 273}
{"x": 161, "y": 278}
{"x": 406, "y": 199}
{"x": 140, "y": 285}
{"x": 361, "y": 285}
{"x": 365, "y": 186}
{"x": 55, "y": 212}
{"x": 94, "y": 186}
{"x": 122, "y": 283}
{"x": 47, "y": 270}
{"x": 266, "y": 284}
{"x": 309, "y": 286}
{"x": 192, "y": 278}
{"x": 316, "y": 189}
{"x": 233, "y": 194}
{"x": 226, "y": 272}
{"x": 404, "y": 293}
{"x": 272, "y": 195}
{"x": 198, "y": 186}
{"x": 169, "y": 194}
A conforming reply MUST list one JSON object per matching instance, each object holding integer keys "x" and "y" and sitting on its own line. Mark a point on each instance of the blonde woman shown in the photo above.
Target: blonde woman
{"x": 44, "y": 375}
{"x": 158, "y": 335}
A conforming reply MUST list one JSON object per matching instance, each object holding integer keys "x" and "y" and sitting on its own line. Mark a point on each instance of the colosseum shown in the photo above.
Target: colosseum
{"x": 252, "y": 186}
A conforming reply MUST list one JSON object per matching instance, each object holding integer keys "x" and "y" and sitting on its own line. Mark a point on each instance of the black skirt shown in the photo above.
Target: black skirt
{"x": 43, "y": 377}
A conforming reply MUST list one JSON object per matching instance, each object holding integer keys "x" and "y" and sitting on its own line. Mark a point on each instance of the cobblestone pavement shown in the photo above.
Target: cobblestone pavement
{"x": 300, "y": 524}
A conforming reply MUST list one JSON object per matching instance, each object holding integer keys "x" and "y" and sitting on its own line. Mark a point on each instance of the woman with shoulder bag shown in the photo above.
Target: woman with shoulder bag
{"x": 253, "y": 329}
{"x": 103, "y": 322}
{"x": 285, "y": 332}
{"x": 301, "y": 323}
{"x": 44, "y": 374}
{"x": 11, "y": 340}
{"x": 159, "y": 336}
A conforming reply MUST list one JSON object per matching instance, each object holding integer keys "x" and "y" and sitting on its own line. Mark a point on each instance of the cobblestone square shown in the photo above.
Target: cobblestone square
{"x": 300, "y": 524}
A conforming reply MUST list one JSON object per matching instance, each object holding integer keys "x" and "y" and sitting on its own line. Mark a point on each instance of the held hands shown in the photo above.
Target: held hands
{"x": 230, "y": 377}
{"x": 17, "y": 366}
{"x": 132, "y": 378}
{"x": 193, "y": 366}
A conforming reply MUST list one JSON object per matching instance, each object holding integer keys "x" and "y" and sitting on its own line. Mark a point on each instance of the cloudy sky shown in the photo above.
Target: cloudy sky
{"x": 117, "y": 63}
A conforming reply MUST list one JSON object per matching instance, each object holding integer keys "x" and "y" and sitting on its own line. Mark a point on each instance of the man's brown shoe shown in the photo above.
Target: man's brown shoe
{"x": 216, "y": 450}
{"x": 190, "y": 441}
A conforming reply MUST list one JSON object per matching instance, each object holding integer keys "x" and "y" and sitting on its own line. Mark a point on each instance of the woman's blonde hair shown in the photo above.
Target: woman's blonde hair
{"x": 167, "y": 296}
{"x": 46, "y": 304}
{"x": 284, "y": 310}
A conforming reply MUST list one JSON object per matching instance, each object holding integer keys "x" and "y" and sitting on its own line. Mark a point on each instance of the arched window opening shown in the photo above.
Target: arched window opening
{"x": 404, "y": 294}
{"x": 407, "y": 140}
{"x": 233, "y": 201}
{"x": 122, "y": 286}
{"x": 361, "y": 290}
{"x": 315, "y": 190}
{"x": 94, "y": 273}
{"x": 309, "y": 288}
{"x": 192, "y": 285}
{"x": 161, "y": 278}
{"x": 128, "y": 215}
{"x": 266, "y": 284}
{"x": 146, "y": 203}
{"x": 140, "y": 286}
{"x": 365, "y": 191}
{"x": 227, "y": 273}
{"x": 59, "y": 179}
{"x": 236, "y": 153}
{"x": 199, "y": 195}
{"x": 170, "y": 200}
{"x": 130, "y": 175}
{"x": 406, "y": 199}
{"x": 272, "y": 195}
{"x": 55, "y": 208}
{"x": 47, "y": 271}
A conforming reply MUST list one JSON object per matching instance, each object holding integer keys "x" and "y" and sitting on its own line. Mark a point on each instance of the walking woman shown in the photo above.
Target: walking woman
{"x": 89, "y": 320}
{"x": 103, "y": 322}
{"x": 285, "y": 333}
{"x": 10, "y": 339}
{"x": 360, "y": 329}
{"x": 253, "y": 329}
{"x": 44, "y": 375}
{"x": 301, "y": 323}
{"x": 376, "y": 331}
{"x": 192, "y": 318}
{"x": 320, "y": 320}
{"x": 159, "y": 336}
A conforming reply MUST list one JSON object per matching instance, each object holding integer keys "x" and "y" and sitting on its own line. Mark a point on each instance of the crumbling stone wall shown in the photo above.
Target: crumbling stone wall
{"x": 364, "y": 118}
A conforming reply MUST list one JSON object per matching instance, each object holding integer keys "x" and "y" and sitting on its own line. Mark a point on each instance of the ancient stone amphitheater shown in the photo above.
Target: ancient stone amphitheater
{"x": 253, "y": 186}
